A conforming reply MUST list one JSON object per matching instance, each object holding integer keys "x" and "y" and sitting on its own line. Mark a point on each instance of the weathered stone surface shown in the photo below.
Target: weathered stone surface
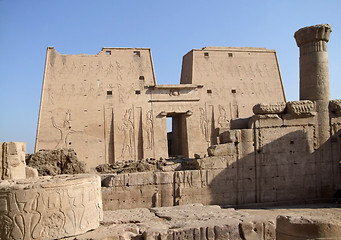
{"x": 229, "y": 136}
{"x": 196, "y": 221}
{"x": 269, "y": 108}
{"x": 54, "y": 162}
{"x": 226, "y": 149}
{"x": 308, "y": 227}
{"x": 335, "y": 106}
{"x": 31, "y": 172}
{"x": 90, "y": 103}
{"x": 304, "y": 108}
{"x": 320, "y": 32}
{"x": 12, "y": 160}
{"x": 214, "y": 162}
{"x": 49, "y": 207}
{"x": 265, "y": 121}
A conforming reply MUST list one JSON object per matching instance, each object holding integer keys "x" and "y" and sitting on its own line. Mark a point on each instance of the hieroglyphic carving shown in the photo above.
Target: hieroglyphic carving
{"x": 149, "y": 129}
{"x": 51, "y": 208}
{"x": 119, "y": 73}
{"x": 120, "y": 93}
{"x": 128, "y": 130}
{"x": 222, "y": 119}
{"x": 65, "y": 130}
{"x": 204, "y": 124}
{"x": 6, "y": 225}
{"x": 26, "y": 216}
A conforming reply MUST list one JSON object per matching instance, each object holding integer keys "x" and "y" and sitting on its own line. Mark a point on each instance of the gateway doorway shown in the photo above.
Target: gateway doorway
{"x": 177, "y": 135}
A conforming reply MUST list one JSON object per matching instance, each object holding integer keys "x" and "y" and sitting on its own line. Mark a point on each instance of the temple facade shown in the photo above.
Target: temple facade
{"x": 108, "y": 107}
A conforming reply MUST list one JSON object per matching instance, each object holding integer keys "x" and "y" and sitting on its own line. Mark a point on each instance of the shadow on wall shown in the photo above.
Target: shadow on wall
{"x": 286, "y": 169}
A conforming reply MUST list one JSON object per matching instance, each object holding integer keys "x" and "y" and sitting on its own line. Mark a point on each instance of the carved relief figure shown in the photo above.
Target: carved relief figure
{"x": 50, "y": 93}
{"x": 204, "y": 124}
{"x": 128, "y": 130}
{"x": 222, "y": 120}
{"x": 54, "y": 219}
{"x": 119, "y": 73}
{"x": 27, "y": 218}
{"x": 6, "y": 225}
{"x": 65, "y": 130}
{"x": 120, "y": 93}
{"x": 149, "y": 129}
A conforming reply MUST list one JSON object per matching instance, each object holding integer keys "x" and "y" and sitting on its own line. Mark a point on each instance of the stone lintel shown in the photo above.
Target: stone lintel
{"x": 175, "y": 100}
{"x": 176, "y": 86}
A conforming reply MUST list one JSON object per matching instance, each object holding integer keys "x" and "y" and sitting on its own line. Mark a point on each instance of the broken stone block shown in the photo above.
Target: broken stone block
{"x": 229, "y": 136}
{"x": 335, "y": 106}
{"x": 214, "y": 162}
{"x": 299, "y": 227}
{"x": 269, "y": 108}
{"x": 267, "y": 120}
{"x": 304, "y": 108}
{"x": 31, "y": 172}
{"x": 12, "y": 164}
{"x": 226, "y": 149}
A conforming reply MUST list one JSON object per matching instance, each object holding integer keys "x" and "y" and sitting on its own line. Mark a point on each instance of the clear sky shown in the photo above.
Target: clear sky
{"x": 169, "y": 28}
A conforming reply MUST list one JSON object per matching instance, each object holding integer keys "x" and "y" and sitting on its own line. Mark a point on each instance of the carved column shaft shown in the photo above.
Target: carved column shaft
{"x": 314, "y": 72}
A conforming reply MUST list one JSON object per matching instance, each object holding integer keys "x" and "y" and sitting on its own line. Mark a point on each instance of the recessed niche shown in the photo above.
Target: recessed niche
{"x": 137, "y": 53}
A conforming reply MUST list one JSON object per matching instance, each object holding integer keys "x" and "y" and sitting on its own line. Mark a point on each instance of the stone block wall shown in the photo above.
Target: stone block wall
{"x": 277, "y": 160}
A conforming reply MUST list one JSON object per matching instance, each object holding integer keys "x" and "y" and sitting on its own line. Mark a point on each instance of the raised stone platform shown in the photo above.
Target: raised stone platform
{"x": 50, "y": 207}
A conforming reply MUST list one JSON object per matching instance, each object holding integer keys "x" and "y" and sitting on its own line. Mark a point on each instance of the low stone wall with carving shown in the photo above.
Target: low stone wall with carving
{"x": 49, "y": 207}
{"x": 275, "y": 161}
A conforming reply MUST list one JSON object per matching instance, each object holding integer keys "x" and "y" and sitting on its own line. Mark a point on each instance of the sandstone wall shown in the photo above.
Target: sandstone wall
{"x": 108, "y": 107}
{"x": 276, "y": 160}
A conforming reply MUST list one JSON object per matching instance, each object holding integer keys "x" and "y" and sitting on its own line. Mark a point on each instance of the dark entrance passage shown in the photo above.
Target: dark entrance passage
{"x": 177, "y": 137}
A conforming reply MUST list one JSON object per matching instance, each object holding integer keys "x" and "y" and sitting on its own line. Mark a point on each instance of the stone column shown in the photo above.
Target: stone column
{"x": 314, "y": 72}
{"x": 314, "y": 86}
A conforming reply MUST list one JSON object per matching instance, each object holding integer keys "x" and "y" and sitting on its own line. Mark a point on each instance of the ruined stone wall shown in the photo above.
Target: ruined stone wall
{"x": 277, "y": 160}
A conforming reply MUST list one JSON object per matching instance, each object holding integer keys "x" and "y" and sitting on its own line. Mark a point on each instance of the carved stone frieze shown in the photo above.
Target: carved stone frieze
{"x": 266, "y": 108}
{"x": 50, "y": 207}
{"x": 304, "y": 108}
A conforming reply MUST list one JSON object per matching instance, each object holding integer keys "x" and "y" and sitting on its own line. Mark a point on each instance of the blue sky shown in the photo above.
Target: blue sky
{"x": 169, "y": 28}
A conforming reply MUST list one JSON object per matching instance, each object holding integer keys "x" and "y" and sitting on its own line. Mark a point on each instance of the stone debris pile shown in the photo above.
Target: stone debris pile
{"x": 55, "y": 162}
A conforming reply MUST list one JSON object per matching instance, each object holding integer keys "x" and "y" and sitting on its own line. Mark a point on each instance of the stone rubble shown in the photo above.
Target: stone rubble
{"x": 196, "y": 221}
{"x": 55, "y": 162}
